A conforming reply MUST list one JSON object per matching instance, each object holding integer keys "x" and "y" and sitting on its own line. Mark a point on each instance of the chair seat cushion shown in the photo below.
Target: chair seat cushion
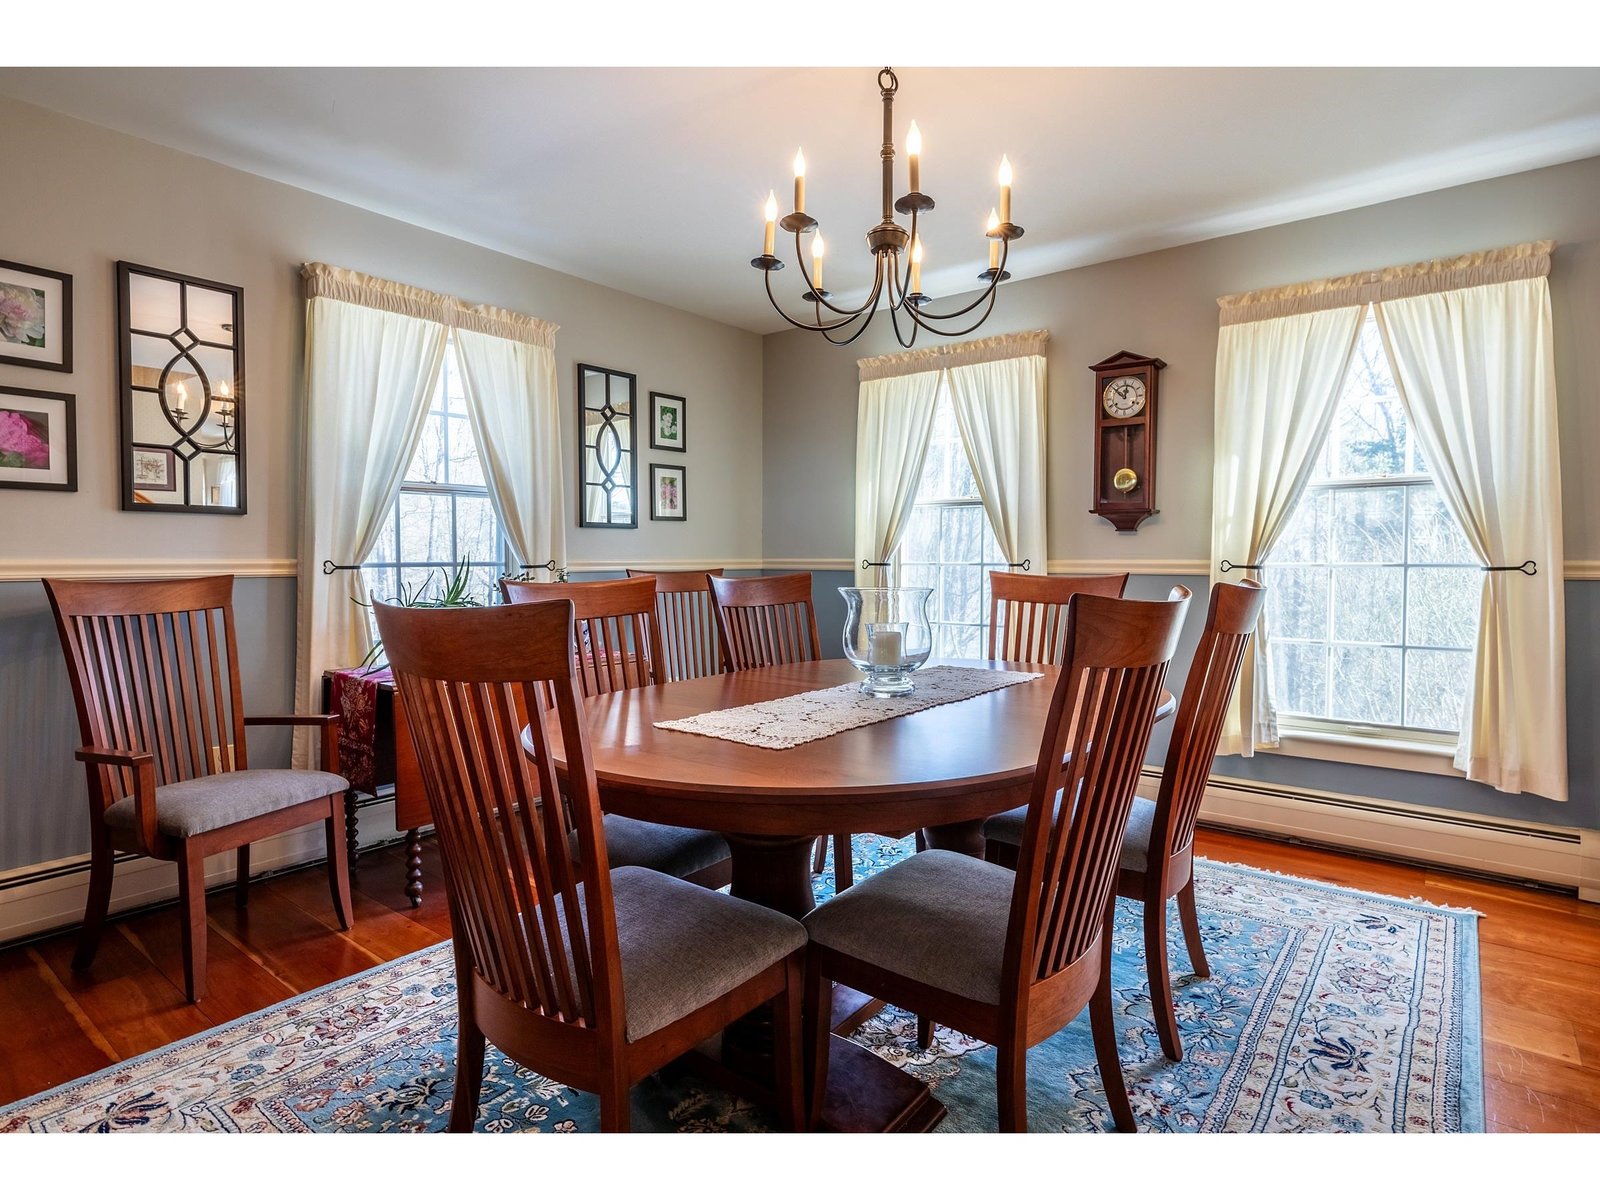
{"x": 212, "y": 801}
{"x": 682, "y": 945}
{"x": 1007, "y": 827}
{"x": 665, "y": 848}
{"x": 937, "y": 917}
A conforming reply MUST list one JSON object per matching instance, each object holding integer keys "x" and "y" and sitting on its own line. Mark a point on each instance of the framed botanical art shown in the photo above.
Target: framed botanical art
{"x": 666, "y": 422}
{"x": 154, "y": 470}
{"x": 35, "y": 317}
{"x": 38, "y": 440}
{"x": 668, "y": 501}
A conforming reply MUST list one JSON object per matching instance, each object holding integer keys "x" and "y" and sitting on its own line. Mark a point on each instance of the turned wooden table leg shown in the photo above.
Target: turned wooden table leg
{"x": 414, "y": 867}
{"x": 352, "y": 826}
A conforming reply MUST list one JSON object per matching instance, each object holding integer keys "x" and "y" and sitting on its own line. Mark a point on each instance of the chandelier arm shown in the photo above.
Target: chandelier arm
{"x": 808, "y": 327}
{"x": 894, "y": 320}
{"x": 811, "y": 286}
{"x": 922, "y": 324}
{"x": 986, "y": 294}
{"x": 870, "y": 313}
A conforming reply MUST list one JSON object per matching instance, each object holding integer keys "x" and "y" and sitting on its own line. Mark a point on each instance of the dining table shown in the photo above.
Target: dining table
{"x": 941, "y": 770}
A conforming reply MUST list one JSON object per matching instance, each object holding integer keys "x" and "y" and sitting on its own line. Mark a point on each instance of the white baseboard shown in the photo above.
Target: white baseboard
{"x": 52, "y": 895}
{"x": 1567, "y": 857}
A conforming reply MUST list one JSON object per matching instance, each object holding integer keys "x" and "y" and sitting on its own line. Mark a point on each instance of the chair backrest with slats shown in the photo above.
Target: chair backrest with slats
{"x": 1093, "y": 747}
{"x": 688, "y": 620}
{"x": 532, "y": 918}
{"x": 1028, "y": 613}
{"x": 1213, "y": 673}
{"x": 765, "y": 622}
{"x": 617, "y": 639}
{"x": 154, "y": 669}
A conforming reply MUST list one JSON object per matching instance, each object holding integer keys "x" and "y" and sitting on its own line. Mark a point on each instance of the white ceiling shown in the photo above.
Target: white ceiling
{"x": 651, "y": 180}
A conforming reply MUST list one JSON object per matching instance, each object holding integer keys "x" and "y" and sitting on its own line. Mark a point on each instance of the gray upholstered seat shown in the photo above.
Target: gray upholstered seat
{"x": 666, "y": 848}
{"x": 937, "y": 917}
{"x": 212, "y": 801}
{"x": 682, "y": 945}
{"x": 1007, "y": 827}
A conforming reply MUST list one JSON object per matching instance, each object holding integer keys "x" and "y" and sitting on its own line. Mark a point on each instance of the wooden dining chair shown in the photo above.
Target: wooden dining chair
{"x": 688, "y": 621}
{"x": 155, "y": 679}
{"x": 592, "y": 974}
{"x": 616, "y": 646}
{"x": 769, "y": 622}
{"x": 1028, "y": 613}
{"x": 1013, "y": 957}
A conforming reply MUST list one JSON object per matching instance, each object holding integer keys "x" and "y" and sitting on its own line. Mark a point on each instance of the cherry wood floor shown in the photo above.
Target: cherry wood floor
{"x": 1540, "y": 966}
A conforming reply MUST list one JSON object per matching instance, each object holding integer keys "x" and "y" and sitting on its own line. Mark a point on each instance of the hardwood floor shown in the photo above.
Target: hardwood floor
{"x": 1540, "y": 970}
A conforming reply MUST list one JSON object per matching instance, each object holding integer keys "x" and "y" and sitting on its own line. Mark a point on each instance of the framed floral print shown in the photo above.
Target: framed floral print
{"x": 666, "y": 422}
{"x": 35, "y": 317}
{"x": 668, "y": 502}
{"x": 38, "y": 440}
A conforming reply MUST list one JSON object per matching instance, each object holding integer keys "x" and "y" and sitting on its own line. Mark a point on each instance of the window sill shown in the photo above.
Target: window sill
{"x": 1394, "y": 754}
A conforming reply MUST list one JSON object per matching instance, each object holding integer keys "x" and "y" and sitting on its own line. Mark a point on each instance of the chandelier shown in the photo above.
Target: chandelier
{"x": 889, "y": 242}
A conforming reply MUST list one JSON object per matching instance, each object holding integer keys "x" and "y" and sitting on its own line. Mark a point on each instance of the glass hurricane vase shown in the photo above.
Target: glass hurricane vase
{"x": 887, "y": 635}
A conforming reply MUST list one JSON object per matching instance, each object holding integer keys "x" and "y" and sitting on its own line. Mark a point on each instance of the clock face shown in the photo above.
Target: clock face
{"x": 1123, "y": 396}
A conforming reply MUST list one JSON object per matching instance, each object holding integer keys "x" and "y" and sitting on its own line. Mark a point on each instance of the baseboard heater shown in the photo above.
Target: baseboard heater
{"x": 1519, "y": 851}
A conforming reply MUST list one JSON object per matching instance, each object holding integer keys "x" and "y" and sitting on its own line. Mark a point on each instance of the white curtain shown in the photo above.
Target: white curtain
{"x": 893, "y": 425}
{"x": 512, "y": 403}
{"x": 1278, "y": 383}
{"x": 1476, "y": 372}
{"x": 1000, "y": 411}
{"x": 370, "y": 374}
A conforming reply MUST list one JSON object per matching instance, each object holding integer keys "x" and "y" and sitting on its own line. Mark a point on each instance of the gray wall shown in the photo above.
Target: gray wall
{"x": 1164, "y": 304}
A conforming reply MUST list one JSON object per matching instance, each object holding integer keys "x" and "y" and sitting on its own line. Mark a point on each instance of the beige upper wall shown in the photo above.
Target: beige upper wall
{"x": 1164, "y": 304}
{"x": 76, "y": 197}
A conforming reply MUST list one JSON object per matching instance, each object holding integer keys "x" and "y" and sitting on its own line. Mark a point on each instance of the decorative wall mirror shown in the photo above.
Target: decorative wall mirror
{"x": 181, "y": 370}
{"x": 608, "y": 475}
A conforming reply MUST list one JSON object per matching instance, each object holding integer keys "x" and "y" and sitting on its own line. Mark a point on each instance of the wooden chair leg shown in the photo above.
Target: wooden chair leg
{"x": 102, "y": 863}
{"x": 192, "y": 902}
{"x": 843, "y": 863}
{"x": 788, "y": 1039}
{"x": 1190, "y": 920}
{"x": 921, "y": 843}
{"x": 925, "y": 1030}
{"x": 818, "y": 1030}
{"x": 1103, "y": 1025}
{"x": 1160, "y": 976}
{"x": 241, "y": 876}
{"x": 338, "y": 864}
{"x": 615, "y": 1114}
{"x": 1011, "y": 1081}
{"x": 819, "y": 856}
{"x": 470, "y": 1047}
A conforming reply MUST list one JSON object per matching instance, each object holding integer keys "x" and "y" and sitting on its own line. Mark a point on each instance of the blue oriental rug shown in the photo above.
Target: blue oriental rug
{"x": 1328, "y": 1010}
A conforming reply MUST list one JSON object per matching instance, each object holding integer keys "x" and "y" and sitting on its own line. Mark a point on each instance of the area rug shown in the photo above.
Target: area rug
{"x": 1328, "y": 1010}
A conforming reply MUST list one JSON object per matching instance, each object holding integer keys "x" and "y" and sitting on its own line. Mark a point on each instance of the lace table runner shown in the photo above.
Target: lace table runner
{"x": 791, "y": 721}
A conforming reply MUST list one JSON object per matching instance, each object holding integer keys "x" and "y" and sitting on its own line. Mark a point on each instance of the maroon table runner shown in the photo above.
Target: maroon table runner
{"x": 353, "y": 694}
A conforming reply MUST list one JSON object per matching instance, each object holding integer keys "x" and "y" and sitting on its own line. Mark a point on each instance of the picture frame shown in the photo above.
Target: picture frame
{"x": 667, "y": 430}
{"x": 35, "y": 317}
{"x": 669, "y": 498}
{"x": 38, "y": 440}
{"x": 152, "y": 469}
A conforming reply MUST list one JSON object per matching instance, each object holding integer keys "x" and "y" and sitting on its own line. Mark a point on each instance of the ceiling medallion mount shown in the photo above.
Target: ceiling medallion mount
{"x": 888, "y": 241}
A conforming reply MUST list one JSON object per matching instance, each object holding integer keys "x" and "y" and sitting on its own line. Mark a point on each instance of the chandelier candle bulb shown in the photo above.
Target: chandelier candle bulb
{"x": 916, "y": 267}
{"x": 772, "y": 217}
{"x": 914, "y": 152}
{"x": 818, "y": 249}
{"x": 1005, "y": 190}
{"x": 994, "y": 242}
{"x": 799, "y": 182}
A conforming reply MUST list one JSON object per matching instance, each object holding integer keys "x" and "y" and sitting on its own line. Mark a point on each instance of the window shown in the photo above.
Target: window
{"x": 1373, "y": 609}
{"x": 949, "y": 545}
{"x": 442, "y": 514}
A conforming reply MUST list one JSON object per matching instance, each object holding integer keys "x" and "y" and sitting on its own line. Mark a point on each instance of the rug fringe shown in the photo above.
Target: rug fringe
{"x": 1417, "y": 900}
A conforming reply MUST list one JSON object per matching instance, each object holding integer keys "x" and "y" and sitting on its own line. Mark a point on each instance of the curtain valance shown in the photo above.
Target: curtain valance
{"x": 937, "y": 358}
{"x": 340, "y": 283}
{"x": 1529, "y": 260}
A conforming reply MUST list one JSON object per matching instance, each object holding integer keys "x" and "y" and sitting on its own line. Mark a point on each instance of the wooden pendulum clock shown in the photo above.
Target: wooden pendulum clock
{"x": 1125, "y": 438}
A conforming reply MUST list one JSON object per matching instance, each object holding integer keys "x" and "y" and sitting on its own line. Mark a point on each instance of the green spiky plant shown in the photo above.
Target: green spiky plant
{"x": 455, "y": 593}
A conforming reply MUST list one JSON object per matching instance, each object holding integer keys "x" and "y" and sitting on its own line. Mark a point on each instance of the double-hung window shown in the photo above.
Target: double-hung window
{"x": 1373, "y": 607}
{"x": 442, "y": 516}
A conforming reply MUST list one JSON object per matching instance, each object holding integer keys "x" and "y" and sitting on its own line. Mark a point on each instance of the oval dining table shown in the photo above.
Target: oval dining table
{"x": 942, "y": 770}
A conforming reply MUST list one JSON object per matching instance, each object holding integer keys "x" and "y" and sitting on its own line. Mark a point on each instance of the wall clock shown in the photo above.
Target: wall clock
{"x": 1125, "y": 438}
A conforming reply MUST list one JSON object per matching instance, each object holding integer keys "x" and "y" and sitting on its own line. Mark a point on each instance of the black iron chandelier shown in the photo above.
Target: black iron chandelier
{"x": 888, "y": 242}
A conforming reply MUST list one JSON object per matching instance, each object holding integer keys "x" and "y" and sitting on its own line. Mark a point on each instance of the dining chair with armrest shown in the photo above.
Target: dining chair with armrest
{"x": 688, "y": 620}
{"x": 155, "y": 680}
{"x": 617, "y": 645}
{"x": 592, "y": 974}
{"x": 1013, "y": 957}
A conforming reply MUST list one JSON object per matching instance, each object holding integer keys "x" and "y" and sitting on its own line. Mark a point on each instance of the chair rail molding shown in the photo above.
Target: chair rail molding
{"x": 32, "y": 570}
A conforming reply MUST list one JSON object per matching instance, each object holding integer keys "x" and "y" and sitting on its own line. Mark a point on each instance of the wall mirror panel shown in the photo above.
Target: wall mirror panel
{"x": 181, "y": 369}
{"x": 608, "y": 473}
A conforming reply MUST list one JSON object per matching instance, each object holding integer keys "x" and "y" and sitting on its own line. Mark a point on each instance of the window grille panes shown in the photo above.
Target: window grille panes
{"x": 949, "y": 545}
{"x": 1373, "y": 607}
